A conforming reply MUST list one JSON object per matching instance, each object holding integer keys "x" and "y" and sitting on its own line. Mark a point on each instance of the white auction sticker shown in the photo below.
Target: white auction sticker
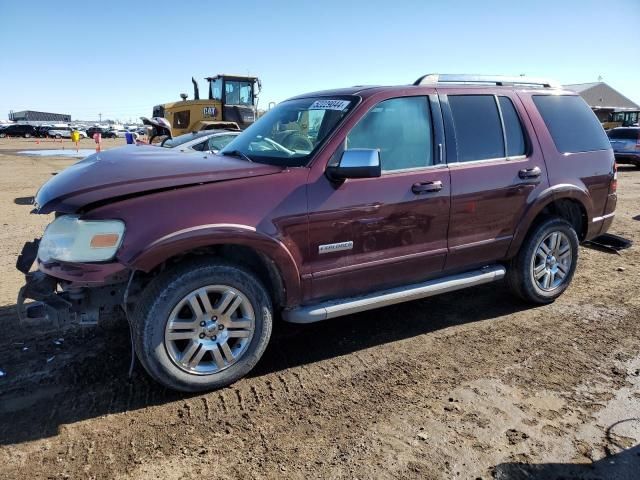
{"x": 329, "y": 105}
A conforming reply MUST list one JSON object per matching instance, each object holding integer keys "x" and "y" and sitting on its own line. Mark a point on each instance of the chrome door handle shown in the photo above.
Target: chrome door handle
{"x": 426, "y": 187}
{"x": 529, "y": 173}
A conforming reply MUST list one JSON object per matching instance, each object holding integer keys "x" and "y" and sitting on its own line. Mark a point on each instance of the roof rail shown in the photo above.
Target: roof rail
{"x": 437, "y": 78}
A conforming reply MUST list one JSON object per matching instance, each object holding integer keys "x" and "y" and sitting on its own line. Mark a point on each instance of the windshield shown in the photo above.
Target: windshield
{"x": 181, "y": 139}
{"x": 288, "y": 134}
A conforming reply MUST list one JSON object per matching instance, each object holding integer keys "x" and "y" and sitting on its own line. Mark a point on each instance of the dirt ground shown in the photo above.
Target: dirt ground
{"x": 471, "y": 384}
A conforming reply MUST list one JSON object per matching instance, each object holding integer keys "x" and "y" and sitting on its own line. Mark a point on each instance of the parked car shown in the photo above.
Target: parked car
{"x": 41, "y": 130}
{"x": 64, "y": 132}
{"x": 105, "y": 132}
{"x": 205, "y": 140}
{"x": 120, "y": 133}
{"x": 331, "y": 203}
{"x": 625, "y": 142}
{"x": 18, "y": 130}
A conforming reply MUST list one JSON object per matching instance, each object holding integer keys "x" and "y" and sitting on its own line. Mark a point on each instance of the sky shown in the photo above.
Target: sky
{"x": 120, "y": 58}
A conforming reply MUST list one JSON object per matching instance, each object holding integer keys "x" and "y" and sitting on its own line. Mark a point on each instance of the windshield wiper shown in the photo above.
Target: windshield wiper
{"x": 237, "y": 153}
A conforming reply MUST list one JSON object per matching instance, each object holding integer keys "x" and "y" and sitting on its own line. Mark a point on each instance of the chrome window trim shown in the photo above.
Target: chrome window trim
{"x": 415, "y": 169}
{"x": 489, "y": 160}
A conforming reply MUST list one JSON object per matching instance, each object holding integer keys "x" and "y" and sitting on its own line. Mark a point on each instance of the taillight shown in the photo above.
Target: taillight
{"x": 613, "y": 186}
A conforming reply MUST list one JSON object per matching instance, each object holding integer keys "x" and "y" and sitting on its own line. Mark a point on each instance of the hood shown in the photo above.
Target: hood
{"x": 136, "y": 169}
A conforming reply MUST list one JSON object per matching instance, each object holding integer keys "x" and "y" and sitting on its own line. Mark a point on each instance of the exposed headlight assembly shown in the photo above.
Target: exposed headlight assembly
{"x": 70, "y": 239}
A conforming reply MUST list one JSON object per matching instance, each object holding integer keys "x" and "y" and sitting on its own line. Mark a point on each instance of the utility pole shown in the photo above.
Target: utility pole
{"x": 100, "y": 115}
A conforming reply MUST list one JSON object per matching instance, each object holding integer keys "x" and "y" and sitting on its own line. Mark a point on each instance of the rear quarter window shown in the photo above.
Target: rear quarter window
{"x": 571, "y": 123}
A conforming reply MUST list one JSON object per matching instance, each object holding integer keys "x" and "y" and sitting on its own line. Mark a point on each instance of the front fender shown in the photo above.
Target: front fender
{"x": 557, "y": 192}
{"x": 201, "y": 236}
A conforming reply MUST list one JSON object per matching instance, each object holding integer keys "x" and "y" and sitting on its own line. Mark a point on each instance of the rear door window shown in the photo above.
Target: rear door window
{"x": 571, "y": 123}
{"x": 514, "y": 134}
{"x": 477, "y": 127}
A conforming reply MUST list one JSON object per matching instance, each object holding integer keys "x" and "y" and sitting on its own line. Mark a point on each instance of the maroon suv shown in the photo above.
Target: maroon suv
{"x": 332, "y": 203}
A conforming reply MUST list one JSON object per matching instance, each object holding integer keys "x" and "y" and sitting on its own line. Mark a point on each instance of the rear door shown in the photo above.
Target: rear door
{"x": 496, "y": 170}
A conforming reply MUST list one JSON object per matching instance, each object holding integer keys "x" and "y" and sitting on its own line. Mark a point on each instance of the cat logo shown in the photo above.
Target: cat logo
{"x": 209, "y": 112}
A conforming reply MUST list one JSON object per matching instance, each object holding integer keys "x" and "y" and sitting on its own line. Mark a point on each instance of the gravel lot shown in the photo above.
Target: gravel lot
{"x": 472, "y": 384}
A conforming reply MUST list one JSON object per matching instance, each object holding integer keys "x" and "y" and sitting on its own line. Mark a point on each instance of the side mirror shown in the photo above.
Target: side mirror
{"x": 356, "y": 163}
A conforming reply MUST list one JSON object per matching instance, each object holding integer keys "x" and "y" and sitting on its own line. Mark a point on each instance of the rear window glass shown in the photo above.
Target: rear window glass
{"x": 573, "y": 126}
{"x": 513, "y": 128}
{"x": 624, "y": 133}
{"x": 477, "y": 126}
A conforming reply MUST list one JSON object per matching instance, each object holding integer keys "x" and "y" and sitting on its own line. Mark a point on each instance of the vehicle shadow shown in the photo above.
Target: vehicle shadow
{"x": 623, "y": 464}
{"x": 296, "y": 345}
{"x": 61, "y": 377}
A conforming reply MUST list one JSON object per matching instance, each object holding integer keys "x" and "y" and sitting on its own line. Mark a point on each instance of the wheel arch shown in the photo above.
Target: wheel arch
{"x": 564, "y": 201}
{"x": 267, "y": 257}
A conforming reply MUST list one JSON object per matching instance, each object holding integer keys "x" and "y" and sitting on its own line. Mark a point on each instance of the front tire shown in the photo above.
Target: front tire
{"x": 544, "y": 267}
{"x": 202, "y": 326}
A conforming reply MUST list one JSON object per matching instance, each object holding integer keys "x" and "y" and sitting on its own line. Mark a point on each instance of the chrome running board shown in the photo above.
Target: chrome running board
{"x": 347, "y": 306}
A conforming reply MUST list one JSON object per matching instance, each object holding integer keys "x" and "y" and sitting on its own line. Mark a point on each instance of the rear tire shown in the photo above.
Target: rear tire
{"x": 185, "y": 335}
{"x": 544, "y": 267}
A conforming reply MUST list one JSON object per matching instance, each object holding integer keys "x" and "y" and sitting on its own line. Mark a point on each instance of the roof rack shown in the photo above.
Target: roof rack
{"x": 499, "y": 80}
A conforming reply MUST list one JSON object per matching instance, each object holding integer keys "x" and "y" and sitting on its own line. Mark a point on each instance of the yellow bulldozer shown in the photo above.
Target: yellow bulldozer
{"x": 231, "y": 104}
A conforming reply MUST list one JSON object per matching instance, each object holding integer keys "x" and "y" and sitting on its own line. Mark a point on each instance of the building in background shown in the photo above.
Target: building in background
{"x": 611, "y": 107}
{"x": 33, "y": 116}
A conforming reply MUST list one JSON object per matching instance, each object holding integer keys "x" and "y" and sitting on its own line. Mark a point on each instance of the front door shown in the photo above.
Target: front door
{"x": 368, "y": 234}
{"x": 495, "y": 170}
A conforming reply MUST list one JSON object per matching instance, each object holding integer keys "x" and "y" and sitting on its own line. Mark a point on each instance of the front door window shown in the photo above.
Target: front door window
{"x": 400, "y": 128}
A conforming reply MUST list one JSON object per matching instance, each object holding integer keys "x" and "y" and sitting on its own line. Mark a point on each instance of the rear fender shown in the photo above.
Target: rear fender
{"x": 548, "y": 196}
{"x": 202, "y": 236}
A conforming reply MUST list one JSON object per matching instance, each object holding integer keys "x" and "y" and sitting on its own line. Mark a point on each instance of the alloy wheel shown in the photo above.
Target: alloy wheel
{"x": 552, "y": 261}
{"x": 209, "y": 330}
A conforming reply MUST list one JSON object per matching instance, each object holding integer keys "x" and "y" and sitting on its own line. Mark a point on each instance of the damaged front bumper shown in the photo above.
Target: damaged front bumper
{"x": 65, "y": 293}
